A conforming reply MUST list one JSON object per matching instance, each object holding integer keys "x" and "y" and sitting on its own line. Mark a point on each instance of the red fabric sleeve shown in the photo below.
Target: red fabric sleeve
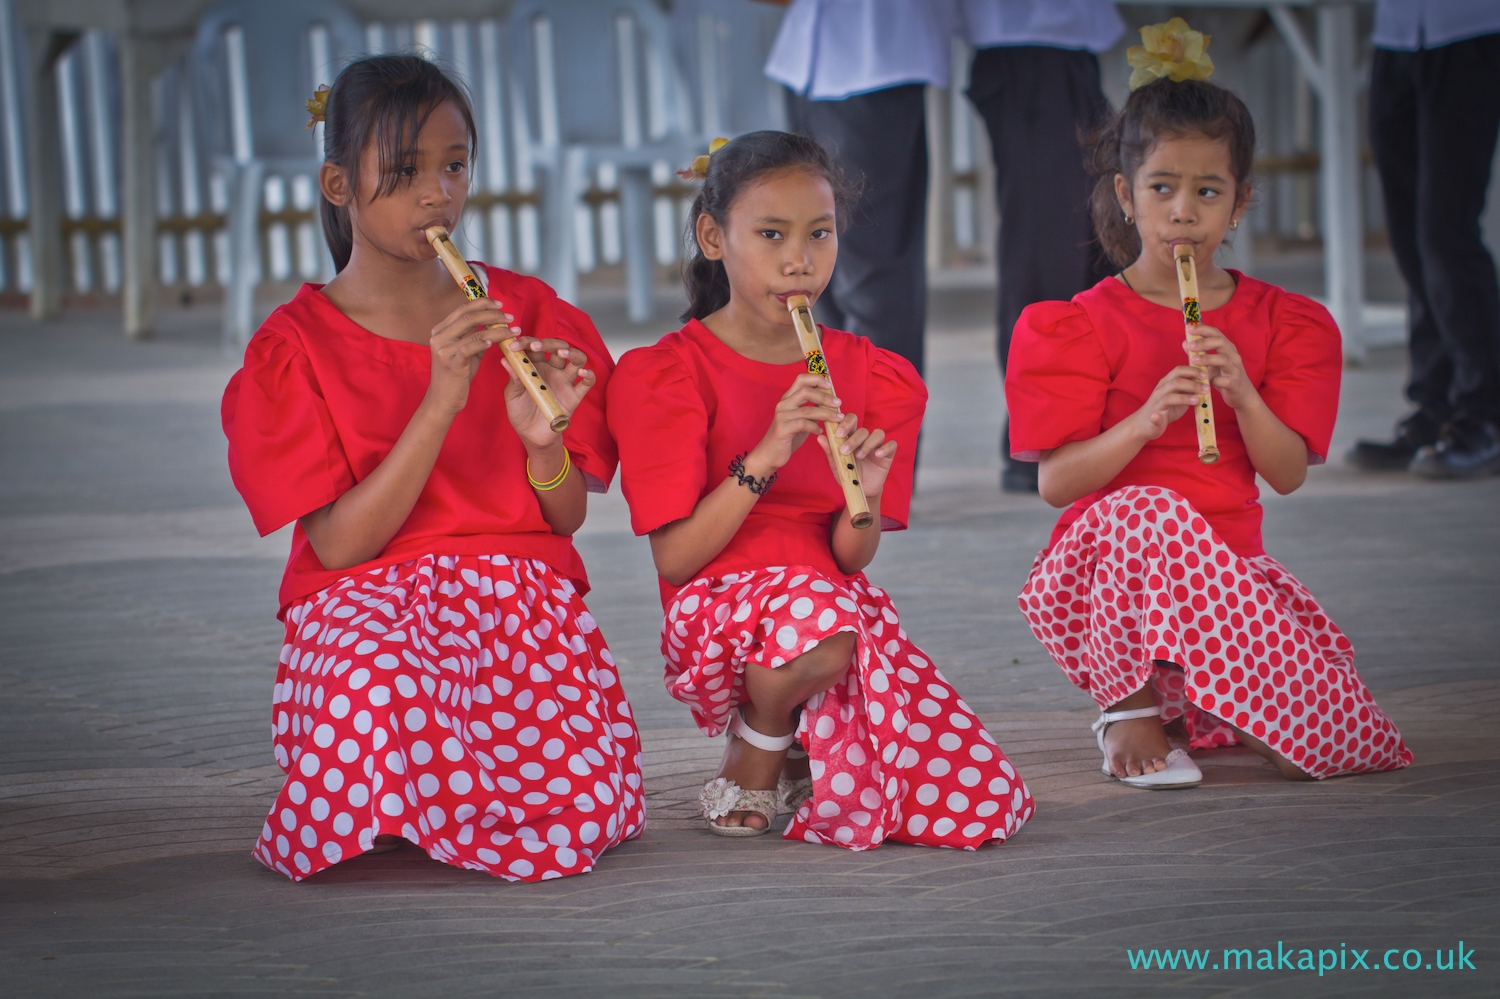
{"x": 587, "y": 437}
{"x": 1304, "y": 364}
{"x": 660, "y": 425}
{"x": 284, "y": 453}
{"x": 1056, "y": 379}
{"x": 895, "y": 402}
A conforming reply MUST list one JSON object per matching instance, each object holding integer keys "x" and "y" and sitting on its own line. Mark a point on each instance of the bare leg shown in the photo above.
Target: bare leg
{"x": 1138, "y": 745}
{"x": 1288, "y": 769}
{"x": 774, "y": 696}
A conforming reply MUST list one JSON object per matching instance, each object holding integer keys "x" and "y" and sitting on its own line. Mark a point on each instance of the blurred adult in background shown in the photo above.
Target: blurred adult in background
{"x": 1035, "y": 81}
{"x": 855, "y": 71}
{"x": 1434, "y": 115}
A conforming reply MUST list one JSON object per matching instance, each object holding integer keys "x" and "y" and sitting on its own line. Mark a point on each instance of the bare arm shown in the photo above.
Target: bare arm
{"x": 1074, "y": 470}
{"x": 1278, "y": 452}
{"x": 685, "y": 546}
{"x": 358, "y": 525}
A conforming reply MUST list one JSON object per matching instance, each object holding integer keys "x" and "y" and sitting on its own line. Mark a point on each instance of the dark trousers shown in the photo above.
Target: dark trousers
{"x": 1434, "y": 115}
{"x": 879, "y": 286}
{"x": 1036, "y": 101}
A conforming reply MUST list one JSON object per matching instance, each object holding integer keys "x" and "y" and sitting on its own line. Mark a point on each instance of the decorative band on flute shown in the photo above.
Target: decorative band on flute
{"x": 1192, "y": 315}
{"x": 530, "y": 377}
{"x": 845, "y": 468}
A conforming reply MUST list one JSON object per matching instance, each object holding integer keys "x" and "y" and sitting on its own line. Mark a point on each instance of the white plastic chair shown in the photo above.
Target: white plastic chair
{"x": 256, "y": 63}
{"x": 723, "y": 46}
{"x": 603, "y": 89}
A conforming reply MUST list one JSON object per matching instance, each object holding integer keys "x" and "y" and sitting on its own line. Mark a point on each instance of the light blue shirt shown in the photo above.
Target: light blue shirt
{"x": 1091, "y": 25}
{"x": 1409, "y": 25}
{"x": 831, "y": 49}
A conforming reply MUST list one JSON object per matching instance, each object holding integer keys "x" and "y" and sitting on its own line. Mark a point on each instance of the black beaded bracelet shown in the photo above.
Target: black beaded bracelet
{"x": 756, "y": 486}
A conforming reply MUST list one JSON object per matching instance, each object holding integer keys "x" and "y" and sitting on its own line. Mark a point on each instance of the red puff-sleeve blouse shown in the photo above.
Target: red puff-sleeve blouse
{"x": 320, "y": 402}
{"x": 682, "y": 409}
{"x": 1078, "y": 368}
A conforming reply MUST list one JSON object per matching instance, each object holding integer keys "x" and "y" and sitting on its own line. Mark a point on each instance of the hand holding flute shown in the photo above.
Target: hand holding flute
{"x": 526, "y": 372}
{"x": 845, "y": 466}
{"x": 1203, "y": 413}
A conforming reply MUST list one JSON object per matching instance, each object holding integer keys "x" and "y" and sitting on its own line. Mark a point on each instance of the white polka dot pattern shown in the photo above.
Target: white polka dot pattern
{"x": 465, "y": 703}
{"x": 1142, "y": 578}
{"x": 895, "y": 752}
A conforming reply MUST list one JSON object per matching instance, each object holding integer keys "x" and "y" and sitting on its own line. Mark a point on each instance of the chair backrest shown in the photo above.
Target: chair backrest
{"x": 723, "y": 45}
{"x": 598, "y": 72}
{"x": 257, "y": 61}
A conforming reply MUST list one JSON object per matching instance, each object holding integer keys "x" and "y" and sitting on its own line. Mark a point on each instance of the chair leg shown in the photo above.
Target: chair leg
{"x": 639, "y": 232}
{"x": 244, "y": 254}
{"x": 564, "y": 189}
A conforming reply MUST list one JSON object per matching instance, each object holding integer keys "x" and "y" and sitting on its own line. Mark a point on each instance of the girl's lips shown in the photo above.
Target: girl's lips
{"x": 1181, "y": 240}
{"x": 786, "y": 295}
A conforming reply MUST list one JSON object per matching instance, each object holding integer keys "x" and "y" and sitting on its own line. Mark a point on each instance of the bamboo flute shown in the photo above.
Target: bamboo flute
{"x": 845, "y": 468}
{"x": 1203, "y": 417}
{"x": 530, "y": 377}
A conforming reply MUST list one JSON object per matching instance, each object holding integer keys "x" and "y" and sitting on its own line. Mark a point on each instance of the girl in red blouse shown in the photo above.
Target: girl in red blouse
{"x": 1154, "y": 593}
{"x": 441, "y": 680}
{"x": 772, "y": 630}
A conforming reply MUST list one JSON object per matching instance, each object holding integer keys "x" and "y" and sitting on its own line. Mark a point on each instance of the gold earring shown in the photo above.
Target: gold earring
{"x": 1234, "y": 225}
{"x": 1129, "y": 219}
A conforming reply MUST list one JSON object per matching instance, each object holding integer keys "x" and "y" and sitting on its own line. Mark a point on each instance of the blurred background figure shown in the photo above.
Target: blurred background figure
{"x": 1035, "y": 81}
{"x": 855, "y": 72}
{"x": 1434, "y": 114}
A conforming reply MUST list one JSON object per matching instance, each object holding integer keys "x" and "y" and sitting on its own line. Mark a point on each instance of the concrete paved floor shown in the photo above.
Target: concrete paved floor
{"x": 136, "y": 608}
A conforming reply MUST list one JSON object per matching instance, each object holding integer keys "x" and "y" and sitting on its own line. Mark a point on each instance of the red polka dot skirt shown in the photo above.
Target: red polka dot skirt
{"x": 465, "y": 703}
{"x": 1140, "y": 589}
{"x": 895, "y": 752}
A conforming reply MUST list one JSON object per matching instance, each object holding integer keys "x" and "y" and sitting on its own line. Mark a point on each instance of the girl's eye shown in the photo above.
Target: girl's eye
{"x": 1207, "y": 193}
{"x": 821, "y": 233}
{"x": 458, "y": 166}
{"x": 1161, "y": 188}
{"x": 408, "y": 171}
{"x": 770, "y": 233}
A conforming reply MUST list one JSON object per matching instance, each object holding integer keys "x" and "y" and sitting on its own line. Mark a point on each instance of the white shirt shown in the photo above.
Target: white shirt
{"x": 831, "y": 49}
{"x": 1092, "y": 25}
{"x": 1409, "y": 25}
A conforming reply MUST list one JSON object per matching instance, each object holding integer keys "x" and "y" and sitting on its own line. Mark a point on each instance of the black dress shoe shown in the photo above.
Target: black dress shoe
{"x": 1018, "y": 477}
{"x": 1468, "y": 450}
{"x": 1412, "y": 434}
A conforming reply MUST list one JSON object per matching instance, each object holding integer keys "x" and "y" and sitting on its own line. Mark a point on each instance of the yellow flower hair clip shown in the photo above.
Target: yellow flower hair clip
{"x": 699, "y": 168}
{"x": 318, "y": 105}
{"x": 1171, "y": 50}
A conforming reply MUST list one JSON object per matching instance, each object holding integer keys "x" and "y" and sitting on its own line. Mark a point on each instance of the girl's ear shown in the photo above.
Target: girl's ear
{"x": 1242, "y": 201}
{"x": 335, "y": 184}
{"x": 1124, "y": 195}
{"x": 710, "y": 237}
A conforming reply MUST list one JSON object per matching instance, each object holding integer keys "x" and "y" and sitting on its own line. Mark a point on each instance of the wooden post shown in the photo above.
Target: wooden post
{"x": 44, "y": 170}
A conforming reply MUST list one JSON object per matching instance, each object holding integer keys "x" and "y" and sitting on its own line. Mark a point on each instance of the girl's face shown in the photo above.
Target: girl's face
{"x": 1184, "y": 192}
{"x": 780, "y": 239}
{"x": 431, "y": 191}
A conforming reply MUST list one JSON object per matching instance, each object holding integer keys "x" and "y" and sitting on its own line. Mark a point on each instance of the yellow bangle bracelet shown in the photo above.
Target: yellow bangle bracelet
{"x": 549, "y": 486}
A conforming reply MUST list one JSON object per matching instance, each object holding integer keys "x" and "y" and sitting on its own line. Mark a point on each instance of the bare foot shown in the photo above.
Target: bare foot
{"x": 1288, "y": 769}
{"x": 754, "y": 770}
{"x": 1138, "y": 745}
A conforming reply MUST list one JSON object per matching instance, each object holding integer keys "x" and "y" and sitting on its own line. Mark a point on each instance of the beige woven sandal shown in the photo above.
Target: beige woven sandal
{"x": 721, "y": 795}
{"x": 790, "y": 794}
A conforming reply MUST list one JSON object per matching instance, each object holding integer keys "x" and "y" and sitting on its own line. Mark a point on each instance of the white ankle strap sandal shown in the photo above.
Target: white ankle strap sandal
{"x": 721, "y": 795}
{"x": 1181, "y": 771}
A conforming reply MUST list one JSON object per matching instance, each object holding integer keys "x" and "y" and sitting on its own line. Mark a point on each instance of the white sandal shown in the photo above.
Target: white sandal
{"x": 721, "y": 795}
{"x": 790, "y": 794}
{"x": 1181, "y": 771}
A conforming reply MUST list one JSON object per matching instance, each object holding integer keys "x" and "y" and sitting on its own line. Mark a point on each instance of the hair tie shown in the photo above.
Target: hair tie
{"x": 1171, "y": 50}
{"x": 317, "y": 107}
{"x": 699, "y": 167}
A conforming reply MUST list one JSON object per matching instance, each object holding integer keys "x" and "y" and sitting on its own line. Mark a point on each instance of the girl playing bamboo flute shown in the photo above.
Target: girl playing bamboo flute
{"x": 772, "y": 630}
{"x": 1154, "y": 593}
{"x": 442, "y": 681}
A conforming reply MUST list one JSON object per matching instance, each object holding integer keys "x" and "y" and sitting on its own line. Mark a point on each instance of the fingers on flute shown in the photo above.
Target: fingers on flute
{"x": 873, "y": 445}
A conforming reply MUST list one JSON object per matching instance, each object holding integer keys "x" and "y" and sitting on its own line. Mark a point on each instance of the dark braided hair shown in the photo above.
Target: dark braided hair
{"x": 1163, "y": 109}
{"x": 730, "y": 170}
{"x": 385, "y": 99}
